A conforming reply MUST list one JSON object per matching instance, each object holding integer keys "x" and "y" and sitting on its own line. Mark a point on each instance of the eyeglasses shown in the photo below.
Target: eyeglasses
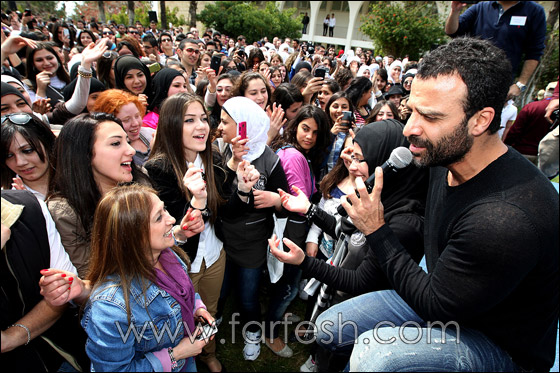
{"x": 108, "y": 33}
{"x": 354, "y": 159}
{"x": 17, "y": 118}
{"x": 109, "y": 54}
{"x": 191, "y": 50}
{"x": 165, "y": 40}
{"x": 133, "y": 32}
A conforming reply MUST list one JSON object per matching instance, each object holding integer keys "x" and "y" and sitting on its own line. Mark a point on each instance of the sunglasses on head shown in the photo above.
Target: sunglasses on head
{"x": 17, "y": 118}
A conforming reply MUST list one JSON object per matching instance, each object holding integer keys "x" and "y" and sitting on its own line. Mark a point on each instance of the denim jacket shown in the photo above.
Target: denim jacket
{"x": 157, "y": 324}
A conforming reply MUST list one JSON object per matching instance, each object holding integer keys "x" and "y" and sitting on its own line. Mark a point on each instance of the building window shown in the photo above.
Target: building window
{"x": 323, "y": 5}
{"x": 340, "y": 6}
{"x": 304, "y": 5}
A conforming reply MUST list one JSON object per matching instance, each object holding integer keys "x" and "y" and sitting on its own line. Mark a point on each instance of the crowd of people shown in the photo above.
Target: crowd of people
{"x": 202, "y": 153}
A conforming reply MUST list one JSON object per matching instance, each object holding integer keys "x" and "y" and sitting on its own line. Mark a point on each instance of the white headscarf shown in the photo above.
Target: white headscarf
{"x": 395, "y": 63}
{"x": 243, "y": 109}
{"x": 363, "y": 68}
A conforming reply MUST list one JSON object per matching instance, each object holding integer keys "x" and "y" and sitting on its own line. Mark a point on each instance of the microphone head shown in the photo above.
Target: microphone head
{"x": 400, "y": 157}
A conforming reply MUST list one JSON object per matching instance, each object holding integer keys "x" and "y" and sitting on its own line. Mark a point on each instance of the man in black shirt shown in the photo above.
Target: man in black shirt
{"x": 491, "y": 238}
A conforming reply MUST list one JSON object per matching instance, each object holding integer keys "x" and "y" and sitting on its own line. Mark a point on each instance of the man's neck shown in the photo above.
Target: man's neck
{"x": 482, "y": 153}
{"x": 507, "y": 4}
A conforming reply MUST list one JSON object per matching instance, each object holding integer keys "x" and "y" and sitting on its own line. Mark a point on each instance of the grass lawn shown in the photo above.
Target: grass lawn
{"x": 231, "y": 354}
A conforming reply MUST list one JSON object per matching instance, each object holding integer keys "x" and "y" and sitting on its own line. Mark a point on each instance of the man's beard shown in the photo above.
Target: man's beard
{"x": 448, "y": 150}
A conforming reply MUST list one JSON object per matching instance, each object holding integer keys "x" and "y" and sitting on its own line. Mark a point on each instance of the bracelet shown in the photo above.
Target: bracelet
{"x": 177, "y": 242}
{"x": 204, "y": 212}
{"x": 244, "y": 194}
{"x": 27, "y": 330}
{"x": 85, "y": 75}
{"x": 311, "y": 212}
{"x": 173, "y": 361}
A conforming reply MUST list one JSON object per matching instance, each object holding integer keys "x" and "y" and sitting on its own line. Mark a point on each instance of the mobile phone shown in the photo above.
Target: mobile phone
{"x": 66, "y": 32}
{"x": 343, "y": 58}
{"x": 347, "y": 118}
{"x": 319, "y": 73}
{"x": 215, "y": 63}
{"x": 154, "y": 68}
{"x": 207, "y": 331}
{"x": 242, "y": 130}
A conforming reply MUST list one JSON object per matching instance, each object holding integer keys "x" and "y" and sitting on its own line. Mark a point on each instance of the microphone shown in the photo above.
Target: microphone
{"x": 400, "y": 158}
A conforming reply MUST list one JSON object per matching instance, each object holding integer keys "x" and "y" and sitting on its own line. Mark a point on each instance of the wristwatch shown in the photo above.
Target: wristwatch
{"x": 521, "y": 86}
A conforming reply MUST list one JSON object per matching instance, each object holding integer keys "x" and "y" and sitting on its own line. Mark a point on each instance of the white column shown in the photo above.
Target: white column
{"x": 352, "y": 19}
{"x": 313, "y": 16}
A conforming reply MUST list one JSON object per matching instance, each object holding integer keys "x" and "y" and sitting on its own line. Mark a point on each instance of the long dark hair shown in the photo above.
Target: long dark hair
{"x": 242, "y": 83}
{"x": 318, "y": 152}
{"x": 338, "y": 173}
{"x": 334, "y": 97}
{"x": 358, "y": 87}
{"x": 93, "y": 37}
{"x": 72, "y": 34}
{"x": 378, "y": 107}
{"x": 38, "y": 135}
{"x": 32, "y": 71}
{"x": 73, "y": 178}
{"x": 168, "y": 146}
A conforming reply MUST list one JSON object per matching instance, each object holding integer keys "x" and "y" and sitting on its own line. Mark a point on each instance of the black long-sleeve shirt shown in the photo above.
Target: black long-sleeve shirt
{"x": 491, "y": 248}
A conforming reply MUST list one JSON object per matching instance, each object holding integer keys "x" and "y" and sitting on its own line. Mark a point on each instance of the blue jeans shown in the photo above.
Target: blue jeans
{"x": 246, "y": 282}
{"x": 350, "y": 328}
{"x": 282, "y": 294}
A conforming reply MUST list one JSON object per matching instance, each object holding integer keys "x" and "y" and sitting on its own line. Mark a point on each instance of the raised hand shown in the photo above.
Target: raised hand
{"x": 295, "y": 256}
{"x": 14, "y": 43}
{"x": 17, "y": 183}
{"x": 298, "y": 203}
{"x": 42, "y": 106}
{"x": 93, "y": 52}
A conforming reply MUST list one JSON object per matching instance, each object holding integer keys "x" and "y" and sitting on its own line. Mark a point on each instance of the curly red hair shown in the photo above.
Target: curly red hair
{"x": 112, "y": 100}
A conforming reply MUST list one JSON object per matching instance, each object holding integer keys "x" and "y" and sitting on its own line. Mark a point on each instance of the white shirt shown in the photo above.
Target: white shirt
{"x": 509, "y": 112}
{"x": 209, "y": 245}
{"x": 332, "y": 22}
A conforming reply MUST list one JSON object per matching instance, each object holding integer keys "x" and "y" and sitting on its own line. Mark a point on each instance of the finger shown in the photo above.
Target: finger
{"x": 378, "y": 184}
{"x": 291, "y": 245}
{"x": 297, "y": 190}
{"x": 344, "y": 203}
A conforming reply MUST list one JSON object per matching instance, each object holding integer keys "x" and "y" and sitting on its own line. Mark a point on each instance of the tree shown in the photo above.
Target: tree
{"x": 101, "y": 6}
{"x": 163, "y": 14}
{"x": 43, "y": 9}
{"x": 411, "y": 28}
{"x": 242, "y": 18}
{"x": 192, "y": 12}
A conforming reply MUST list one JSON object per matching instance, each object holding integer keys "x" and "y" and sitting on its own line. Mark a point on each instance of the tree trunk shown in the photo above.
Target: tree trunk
{"x": 163, "y": 15}
{"x": 551, "y": 25}
{"x": 130, "y": 12}
{"x": 192, "y": 12}
{"x": 101, "y": 6}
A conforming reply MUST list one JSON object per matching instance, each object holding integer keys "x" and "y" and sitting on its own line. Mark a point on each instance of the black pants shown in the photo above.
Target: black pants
{"x": 325, "y": 29}
{"x": 304, "y": 28}
{"x": 331, "y": 31}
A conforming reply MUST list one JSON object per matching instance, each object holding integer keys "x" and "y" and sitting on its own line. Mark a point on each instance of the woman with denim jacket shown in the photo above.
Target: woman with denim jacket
{"x": 140, "y": 315}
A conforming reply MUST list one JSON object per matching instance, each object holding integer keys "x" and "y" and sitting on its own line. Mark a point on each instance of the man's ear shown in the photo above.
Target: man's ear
{"x": 481, "y": 121}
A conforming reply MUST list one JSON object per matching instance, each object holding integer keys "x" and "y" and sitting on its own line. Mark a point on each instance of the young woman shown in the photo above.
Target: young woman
{"x": 135, "y": 280}
{"x": 383, "y": 110}
{"x": 166, "y": 83}
{"x": 395, "y": 72}
{"x": 98, "y": 143}
{"x": 275, "y": 77}
{"x": 246, "y": 233}
{"x": 254, "y": 86}
{"x": 219, "y": 90}
{"x": 338, "y": 103}
{"x": 85, "y": 38}
{"x": 329, "y": 88}
{"x": 133, "y": 76}
{"x": 359, "y": 93}
{"x": 181, "y": 159}
{"x": 46, "y": 75}
{"x": 105, "y": 71}
{"x": 26, "y": 146}
{"x": 301, "y": 151}
{"x": 128, "y": 108}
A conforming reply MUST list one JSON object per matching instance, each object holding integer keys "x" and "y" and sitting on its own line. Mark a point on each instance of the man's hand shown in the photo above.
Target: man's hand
{"x": 513, "y": 92}
{"x": 366, "y": 212}
{"x": 295, "y": 256}
{"x": 552, "y": 105}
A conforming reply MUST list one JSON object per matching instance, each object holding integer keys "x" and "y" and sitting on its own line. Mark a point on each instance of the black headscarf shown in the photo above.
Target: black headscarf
{"x": 408, "y": 187}
{"x": 74, "y": 71}
{"x": 162, "y": 82}
{"x": 7, "y": 89}
{"x": 94, "y": 86}
{"x": 126, "y": 63}
{"x": 302, "y": 65}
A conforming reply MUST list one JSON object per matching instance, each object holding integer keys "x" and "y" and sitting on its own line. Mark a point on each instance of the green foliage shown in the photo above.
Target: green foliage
{"x": 399, "y": 30}
{"x": 120, "y": 18}
{"x": 173, "y": 18}
{"x": 549, "y": 63}
{"x": 44, "y": 9}
{"x": 245, "y": 18}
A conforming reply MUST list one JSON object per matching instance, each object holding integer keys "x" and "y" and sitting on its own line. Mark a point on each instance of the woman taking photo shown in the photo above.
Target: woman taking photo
{"x": 135, "y": 280}
{"x": 133, "y": 76}
{"x": 337, "y": 104}
{"x": 97, "y": 142}
{"x": 359, "y": 93}
{"x": 246, "y": 233}
{"x": 27, "y": 145}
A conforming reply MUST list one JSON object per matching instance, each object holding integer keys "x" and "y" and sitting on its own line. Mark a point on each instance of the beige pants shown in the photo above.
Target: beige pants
{"x": 208, "y": 283}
